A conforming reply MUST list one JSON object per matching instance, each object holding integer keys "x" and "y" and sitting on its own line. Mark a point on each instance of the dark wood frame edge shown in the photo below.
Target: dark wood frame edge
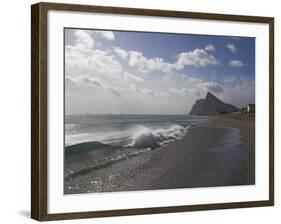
{"x": 39, "y": 110}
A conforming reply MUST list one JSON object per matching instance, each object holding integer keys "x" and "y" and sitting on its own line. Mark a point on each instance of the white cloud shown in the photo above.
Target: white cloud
{"x": 229, "y": 79}
{"x": 120, "y": 52}
{"x": 143, "y": 64}
{"x": 131, "y": 77}
{"x": 148, "y": 92}
{"x": 108, "y": 35}
{"x": 197, "y": 58}
{"x": 103, "y": 62}
{"x": 144, "y": 91}
{"x": 231, "y": 47}
{"x": 200, "y": 87}
{"x": 158, "y": 64}
{"x": 192, "y": 88}
{"x": 239, "y": 90}
{"x": 178, "y": 91}
{"x": 88, "y": 84}
{"x": 240, "y": 80}
{"x": 236, "y": 63}
{"x": 84, "y": 39}
{"x": 91, "y": 81}
{"x": 212, "y": 87}
{"x": 83, "y": 81}
{"x": 210, "y": 47}
{"x": 83, "y": 59}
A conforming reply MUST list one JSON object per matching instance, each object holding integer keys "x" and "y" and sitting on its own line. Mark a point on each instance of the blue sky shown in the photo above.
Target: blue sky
{"x": 169, "y": 45}
{"x": 156, "y": 73}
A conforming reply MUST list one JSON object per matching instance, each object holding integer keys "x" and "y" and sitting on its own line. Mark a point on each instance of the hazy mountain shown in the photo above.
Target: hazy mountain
{"x": 211, "y": 105}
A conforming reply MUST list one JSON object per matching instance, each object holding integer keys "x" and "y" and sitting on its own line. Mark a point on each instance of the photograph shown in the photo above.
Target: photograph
{"x": 155, "y": 111}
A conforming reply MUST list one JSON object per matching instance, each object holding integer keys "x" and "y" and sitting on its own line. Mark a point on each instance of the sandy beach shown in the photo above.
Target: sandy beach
{"x": 218, "y": 153}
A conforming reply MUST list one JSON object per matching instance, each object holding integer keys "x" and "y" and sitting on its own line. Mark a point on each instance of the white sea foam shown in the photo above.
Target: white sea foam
{"x": 154, "y": 138}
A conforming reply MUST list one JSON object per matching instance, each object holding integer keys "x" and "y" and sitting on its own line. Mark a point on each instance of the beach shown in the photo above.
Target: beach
{"x": 246, "y": 124}
{"x": 219, "y": 152}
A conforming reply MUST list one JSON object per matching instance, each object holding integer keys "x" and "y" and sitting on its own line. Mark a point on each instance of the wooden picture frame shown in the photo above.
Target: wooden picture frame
{"x": 39, "y": 110}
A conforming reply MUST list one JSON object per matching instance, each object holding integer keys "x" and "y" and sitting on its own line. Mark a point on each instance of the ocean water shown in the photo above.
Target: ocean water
{"x": 134, "y": 131}
{"x": 93, "y": 142}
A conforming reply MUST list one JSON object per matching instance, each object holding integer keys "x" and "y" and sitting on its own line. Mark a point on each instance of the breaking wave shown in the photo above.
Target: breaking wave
{"x": 155, "y": 138}
{"x": 86, "y": 157}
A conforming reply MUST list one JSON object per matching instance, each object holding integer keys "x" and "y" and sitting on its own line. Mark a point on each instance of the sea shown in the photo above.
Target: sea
{"x": 134, "y": 131}
{"x": 96, "y": 141}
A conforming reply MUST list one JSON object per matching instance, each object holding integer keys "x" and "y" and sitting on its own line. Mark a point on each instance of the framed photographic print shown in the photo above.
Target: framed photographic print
{"x": 139, "y": 111}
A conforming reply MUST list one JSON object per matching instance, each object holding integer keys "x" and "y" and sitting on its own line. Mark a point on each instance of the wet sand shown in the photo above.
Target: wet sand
{"x": 220, "y": 153}
{"x": 246, "y": 124}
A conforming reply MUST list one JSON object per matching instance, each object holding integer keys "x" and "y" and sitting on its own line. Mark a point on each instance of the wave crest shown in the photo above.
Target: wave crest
{"x": 155, "y": 138}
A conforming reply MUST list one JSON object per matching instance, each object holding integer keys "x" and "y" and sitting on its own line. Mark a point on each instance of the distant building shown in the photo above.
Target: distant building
{"x": 251, "y": 108}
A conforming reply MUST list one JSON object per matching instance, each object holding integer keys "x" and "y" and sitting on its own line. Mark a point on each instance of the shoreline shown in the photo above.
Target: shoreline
{"x": 219, "y": 153}
{"x": 246, "y": 124}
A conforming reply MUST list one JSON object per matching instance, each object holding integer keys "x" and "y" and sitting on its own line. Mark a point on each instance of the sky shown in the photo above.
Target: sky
{"x": 154, "y": 73}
